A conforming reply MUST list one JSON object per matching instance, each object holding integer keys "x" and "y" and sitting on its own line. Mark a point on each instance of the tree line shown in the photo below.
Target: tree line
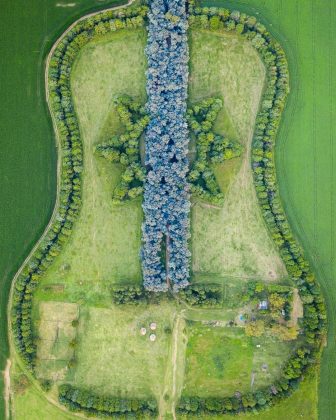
{"x": 85, "y": 401}
{"x": 166, "y": 202}
{"x": 206, "y": 295}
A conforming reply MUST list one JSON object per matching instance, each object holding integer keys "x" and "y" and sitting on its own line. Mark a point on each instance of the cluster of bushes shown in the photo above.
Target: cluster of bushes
{"x": 135, "y": 295}
{"x": 278, "y": 296}
{"x": 125, "y": 149}
{"x": 206, "y": 295}
{"x": 166, "y": 202}
{"x": 80, "y": 400}
{"x": 69, "y": 204}
{"x": 210, "y": 147}
{"x": 263, "y": 164}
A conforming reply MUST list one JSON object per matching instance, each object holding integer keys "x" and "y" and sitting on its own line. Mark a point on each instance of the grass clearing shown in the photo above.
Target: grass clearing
{"x": 222, "y": 360}
{"x": 56, "y": 332}
{"x": 105, "y": 245}
{"x": 218, "y": 361}
{"x": 226, "y": 66}
{"x": 114, "y": 358}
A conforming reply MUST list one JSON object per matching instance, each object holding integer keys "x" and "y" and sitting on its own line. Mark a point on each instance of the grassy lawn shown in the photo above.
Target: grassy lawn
{"x": 223, "y": 65}
{"x": 105, "y": 244}
{"x": 114, "y": 358}
{"x": 218, "y": 361}
{"x": 222, "y": 360}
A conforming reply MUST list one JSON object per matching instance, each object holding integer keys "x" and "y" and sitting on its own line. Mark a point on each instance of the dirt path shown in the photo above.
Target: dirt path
{"x": 6, "y": 374}
{"x": 175, "y": 369}
{"x": 174, "y": 363}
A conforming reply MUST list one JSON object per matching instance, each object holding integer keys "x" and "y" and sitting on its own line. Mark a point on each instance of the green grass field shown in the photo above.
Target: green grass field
{"x": 243, "y": 247}
{"x": 221, "y": 361}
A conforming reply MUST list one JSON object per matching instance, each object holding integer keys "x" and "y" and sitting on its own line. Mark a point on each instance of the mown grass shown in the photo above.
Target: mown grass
{"x": 223, "y": 360}
{"x": 114, "y": 358}
{"x": 225, "y": 66}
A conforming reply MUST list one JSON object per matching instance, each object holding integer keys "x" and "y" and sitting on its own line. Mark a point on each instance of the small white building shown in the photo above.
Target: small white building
{"x": 263, "y": 305}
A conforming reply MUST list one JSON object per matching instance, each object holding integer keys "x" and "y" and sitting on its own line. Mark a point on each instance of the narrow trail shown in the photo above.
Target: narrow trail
{"x": 175, "y": 367}
{"x": 6, "y": 374}
{"x": 174, "y": 364}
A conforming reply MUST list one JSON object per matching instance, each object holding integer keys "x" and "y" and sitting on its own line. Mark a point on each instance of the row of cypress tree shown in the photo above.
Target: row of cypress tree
{"x": 166, "y": 230}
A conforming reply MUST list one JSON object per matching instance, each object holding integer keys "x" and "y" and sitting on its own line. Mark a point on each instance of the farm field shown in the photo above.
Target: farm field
{"x": 104, "y": 251}
{"x": 305, "y": 151}
{"x": 28, "y": 157}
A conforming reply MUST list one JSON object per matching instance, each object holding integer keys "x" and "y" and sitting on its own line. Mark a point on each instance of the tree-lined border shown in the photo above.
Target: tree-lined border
{"x": 68, "y": 201}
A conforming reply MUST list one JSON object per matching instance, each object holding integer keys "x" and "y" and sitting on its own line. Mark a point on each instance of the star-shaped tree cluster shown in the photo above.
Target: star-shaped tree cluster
{"x": 125, "y": 149}
{"x": 211, "y": 148}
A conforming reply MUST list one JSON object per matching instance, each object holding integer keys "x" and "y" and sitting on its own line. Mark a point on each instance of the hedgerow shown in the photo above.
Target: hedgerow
{"x": 81, "y": 400}
{"x": 166, "y": 202}
{"x": 71, "y": 156}
{"x": 207, "y": 295}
